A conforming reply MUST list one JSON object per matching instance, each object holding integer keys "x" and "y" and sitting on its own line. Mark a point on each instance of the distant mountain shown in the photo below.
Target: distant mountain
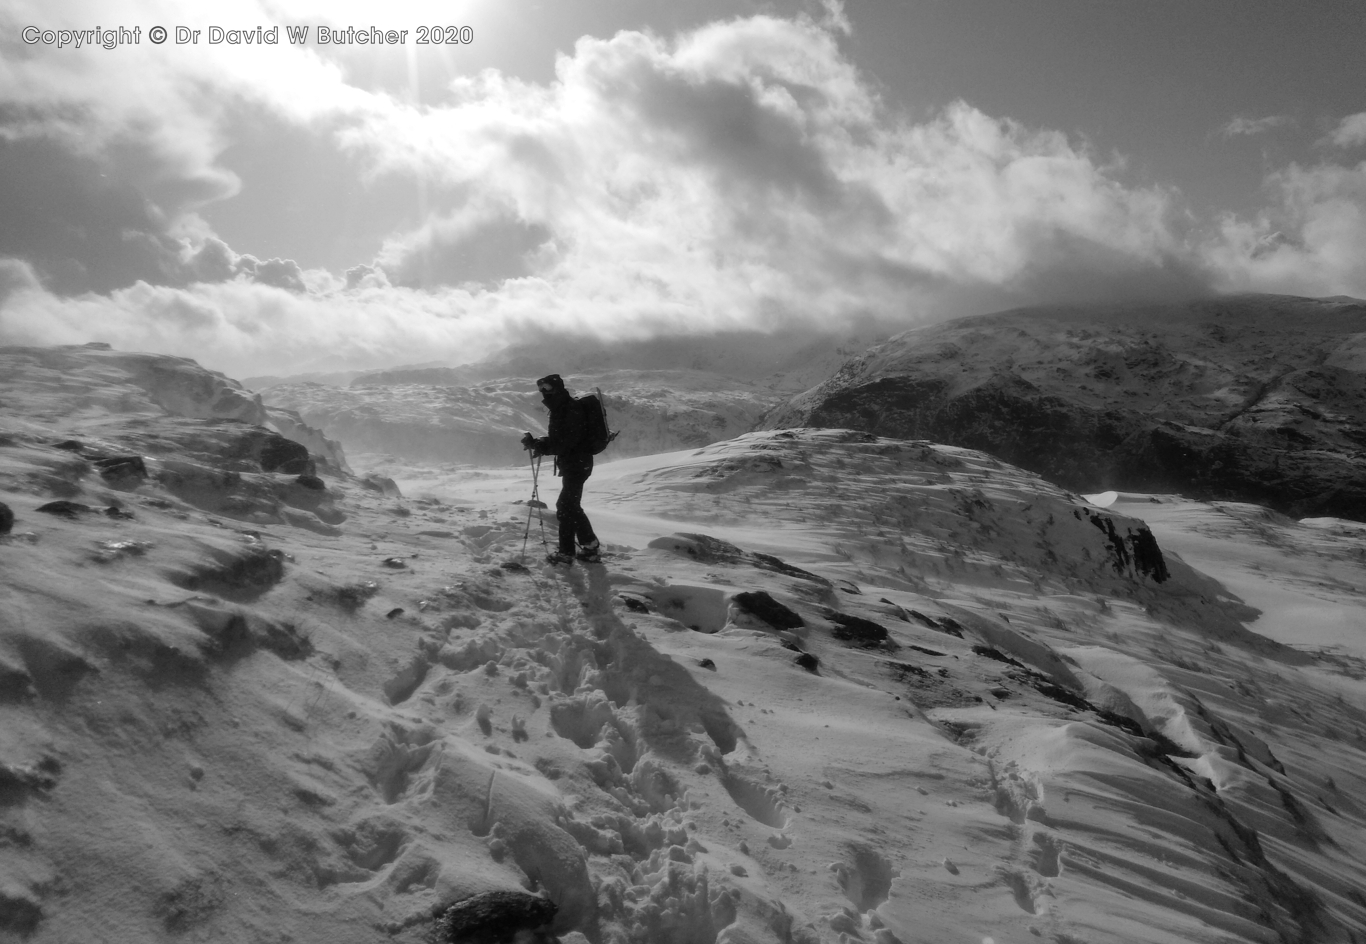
{"x": 1258, "y": 398}
{"x": 337, "y": 378}
{"x": 791, "y": 360}
{"x": 428, "y": 417}
{"x": 663, "y": 394}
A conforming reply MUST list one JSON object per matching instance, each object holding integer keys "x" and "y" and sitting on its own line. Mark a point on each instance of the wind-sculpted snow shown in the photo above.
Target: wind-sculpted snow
{"x": 93, "y": 381}
{"x": 1252, "y": 398}
{"x": 825, "y": 687}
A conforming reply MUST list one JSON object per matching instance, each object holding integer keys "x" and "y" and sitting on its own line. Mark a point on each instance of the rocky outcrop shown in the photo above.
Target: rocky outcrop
{"x": 491, "y": 917}
{"x": 85, "y": 380}
{"x": 291, "y": 426}
{"x": 1254, "y": 398}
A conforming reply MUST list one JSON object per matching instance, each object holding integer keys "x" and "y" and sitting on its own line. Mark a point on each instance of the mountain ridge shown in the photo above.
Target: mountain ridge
{"x": 1247, "y": 398}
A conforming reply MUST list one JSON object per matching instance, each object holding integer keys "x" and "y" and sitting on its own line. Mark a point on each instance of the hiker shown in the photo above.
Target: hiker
{"x": 568, "y": 442}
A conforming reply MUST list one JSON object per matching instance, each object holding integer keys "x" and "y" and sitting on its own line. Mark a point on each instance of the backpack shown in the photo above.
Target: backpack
{"x": 596, "y": 436}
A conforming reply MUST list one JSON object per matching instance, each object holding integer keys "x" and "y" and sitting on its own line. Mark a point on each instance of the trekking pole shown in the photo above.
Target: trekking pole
{"x": 535, "y": 493}
{"x": 534, "y": 476}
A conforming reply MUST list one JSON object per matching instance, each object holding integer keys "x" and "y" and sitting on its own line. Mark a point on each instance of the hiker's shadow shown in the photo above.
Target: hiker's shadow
{"x": 597, "y": 594}
{"x": 590, "y": 592}
{"x": 636, "y": 671}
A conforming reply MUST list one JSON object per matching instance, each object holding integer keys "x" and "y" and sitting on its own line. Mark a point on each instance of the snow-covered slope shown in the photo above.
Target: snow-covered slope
{"x": 72, "y": 384}
{"x": 1249, "y": 398}
{"x": 825, "y": 687}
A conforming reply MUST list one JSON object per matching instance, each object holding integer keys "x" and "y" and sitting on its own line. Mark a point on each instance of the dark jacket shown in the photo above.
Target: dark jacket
{"x": 567, "y": 439}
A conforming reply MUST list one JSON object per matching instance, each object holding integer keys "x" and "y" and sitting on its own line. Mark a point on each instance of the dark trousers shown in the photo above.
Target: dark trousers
{"x": 569, "y": 509}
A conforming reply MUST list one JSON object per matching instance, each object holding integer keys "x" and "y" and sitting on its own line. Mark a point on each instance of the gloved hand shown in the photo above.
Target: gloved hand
{"x": 528, "y": 441}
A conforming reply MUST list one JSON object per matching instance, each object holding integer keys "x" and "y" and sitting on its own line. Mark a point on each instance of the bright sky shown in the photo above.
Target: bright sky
{"x": 636, "y": 167}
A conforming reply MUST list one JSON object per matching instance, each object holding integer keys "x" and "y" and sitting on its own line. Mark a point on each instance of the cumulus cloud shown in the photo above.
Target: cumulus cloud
{"x": 281, "y": 273}
{"x": 78, "y": 219}
{"x": 835, "y": 19}
{"x": 107, "y": 154}
{"x": 212, "y": 260}
{"x": 1311, "y": 239}
{"x": 1247, "y": 127}
{"x": 364, "y": 276}
{"x": 1310, "y": 236}
{"x": 16, "y": 277}
{"x": 747, "y": 168}
{"x": 247, "y": 327}
{"x": 742, "y": 175}
{"x": 1350, "y": 132}
{"x": 468, "y": 246}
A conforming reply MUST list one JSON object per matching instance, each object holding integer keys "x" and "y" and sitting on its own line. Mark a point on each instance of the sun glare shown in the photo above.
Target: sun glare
{"x": 393, "y": 14}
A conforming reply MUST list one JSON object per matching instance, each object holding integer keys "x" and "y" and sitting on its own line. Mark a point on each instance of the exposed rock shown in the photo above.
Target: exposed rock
{"x": 6, "y": 519}
{"x": 382, "y": 484}
{"x": 634, "y": 604}
{"x": 283, "y": 455}
{"x": 67, "y": 380}
{"x": 119, "y": 470}
{"x": 494, "y": 917}
{"x": 18, "y": 781}
{"x": 951, "y": 626}
{"x": 997, "y": 655}
{"x": 859, "y": 631}
{"x": 241, "y": 574}
{"x": 235, "y": 632}
{"x": 64, "y": 508}
{"x": 103, "y": 377}
{"x": 20, "y": 911}
{"x": 707, "y": 549}
{"x": 1255, "y": 398}
{"x": 292, "y": 426}
{"x": 352, "y": 597}
{"x": 1137, "y": 549}
{"x": 760, "y": 604}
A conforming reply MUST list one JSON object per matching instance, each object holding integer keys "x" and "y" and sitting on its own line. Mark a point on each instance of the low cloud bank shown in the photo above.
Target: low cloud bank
{"x": 743, "y": 175}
